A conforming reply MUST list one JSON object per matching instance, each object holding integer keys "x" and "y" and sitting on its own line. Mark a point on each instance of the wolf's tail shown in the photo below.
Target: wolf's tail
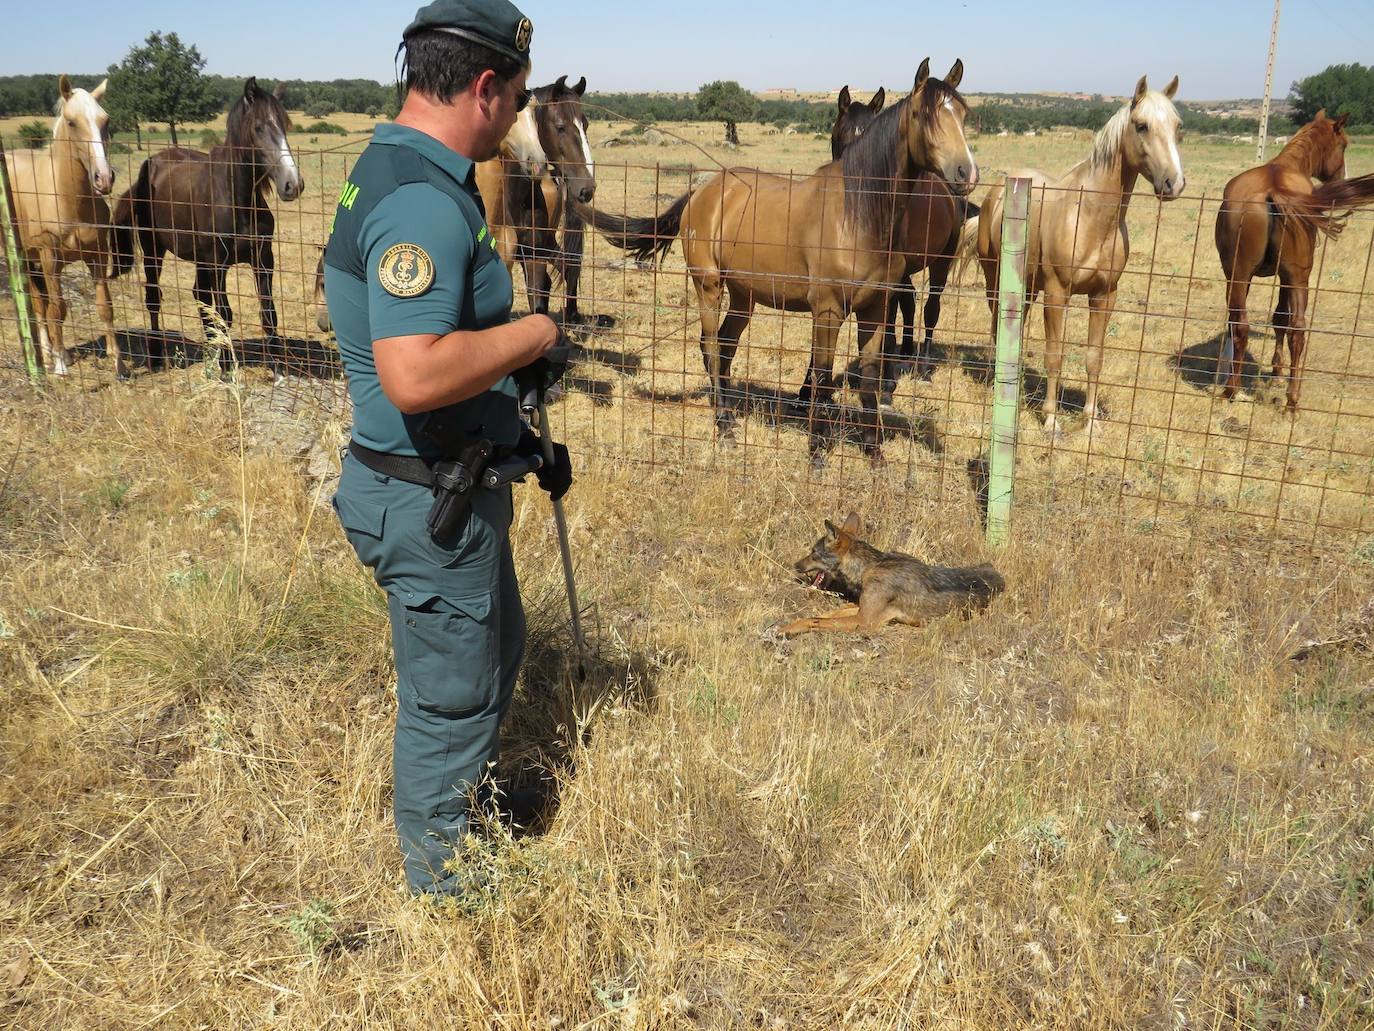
{"x": 978, "y": 583}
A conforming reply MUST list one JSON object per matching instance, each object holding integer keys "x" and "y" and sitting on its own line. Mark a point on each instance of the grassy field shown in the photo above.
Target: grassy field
{"x": 1112, "y": 801}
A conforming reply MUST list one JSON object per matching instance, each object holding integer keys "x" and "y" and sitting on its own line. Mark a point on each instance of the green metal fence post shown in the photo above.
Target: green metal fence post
{"x": 1006, "y": 397}
{"x": 19, "y": 279}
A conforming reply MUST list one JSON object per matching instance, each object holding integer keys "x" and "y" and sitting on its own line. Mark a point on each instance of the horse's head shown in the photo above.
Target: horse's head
{"x": 852, "y": 119}
{"x": 1149, "y": 139}
{"x": 935, "y": 128}
{"x": 257, "y": 129}
{"x": 1331, "y": 143}
{"x": 563, "y": 135}
{"x": 83, "y": 126}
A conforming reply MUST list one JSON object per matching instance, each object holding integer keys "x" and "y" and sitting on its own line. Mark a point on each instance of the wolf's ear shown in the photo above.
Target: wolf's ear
{"x": 831, "y": 528}
{"x": 851, "y": 524}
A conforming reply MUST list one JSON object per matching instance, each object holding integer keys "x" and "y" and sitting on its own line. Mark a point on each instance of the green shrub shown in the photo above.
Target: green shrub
{"x": 326, "y": 129}
{"x": 35, "y": 134}
{"x": 209, "y": 138}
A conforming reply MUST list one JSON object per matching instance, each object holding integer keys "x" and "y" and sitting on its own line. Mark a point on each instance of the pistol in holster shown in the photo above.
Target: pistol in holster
{"x": 455, "y": 476}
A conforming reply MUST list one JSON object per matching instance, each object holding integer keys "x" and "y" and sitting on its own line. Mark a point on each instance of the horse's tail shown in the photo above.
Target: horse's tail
{"x": 130, "y": 210}
{"x": 968, "y": 246}
{"x": 646, "y": 238}
{"x": 1328, "y": 207}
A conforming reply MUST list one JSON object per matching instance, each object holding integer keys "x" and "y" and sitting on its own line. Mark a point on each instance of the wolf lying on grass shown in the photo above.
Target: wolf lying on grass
{"x": 888, "y": 585}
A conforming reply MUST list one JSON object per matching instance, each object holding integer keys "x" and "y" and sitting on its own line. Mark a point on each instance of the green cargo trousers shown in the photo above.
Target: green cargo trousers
{"x": 458, "y": 633}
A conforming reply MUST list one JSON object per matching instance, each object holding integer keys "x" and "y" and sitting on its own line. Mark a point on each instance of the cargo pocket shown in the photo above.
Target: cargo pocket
{"x": 446, "y": 653}
{"x": 363, "y": 523}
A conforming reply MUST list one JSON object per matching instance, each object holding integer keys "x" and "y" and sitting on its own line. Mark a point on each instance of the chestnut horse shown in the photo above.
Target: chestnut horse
{"x": 829, "y": 244}
{"x": 60, "y": 195}
{"x": 1268, "y": 223}
{"x": 934, "y": 219}
{"x": 524, "y": 195}
{"x": 212, "y": 209}
{"x": 1077, "y": 241}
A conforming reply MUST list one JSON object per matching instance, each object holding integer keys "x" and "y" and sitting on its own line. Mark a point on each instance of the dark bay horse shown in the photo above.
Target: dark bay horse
{"x": 526, "y": 198}
{"x": 829, "y": 244}
{"x": 1268, "y": 223}
{"x": 212, "y": 209}
{"x": 930, "y": 240}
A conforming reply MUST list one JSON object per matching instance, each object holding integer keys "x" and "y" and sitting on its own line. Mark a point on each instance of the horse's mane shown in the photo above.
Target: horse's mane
{"x": 1107, "y": 142}
{"x": 871, "y": 162}
{"x": 1309, "y": 143}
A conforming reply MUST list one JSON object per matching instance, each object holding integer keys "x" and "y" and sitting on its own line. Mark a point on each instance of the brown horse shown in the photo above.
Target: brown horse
{"x": 60, "y": 195}
{"x": 212, "y": 209}
{"x": 1268, "y": 222}
{"x": 934, "y": 218}
{"x": 524, "y": 194}
{"x": 1077, "y": 241}
{"x": 829, "y": 244}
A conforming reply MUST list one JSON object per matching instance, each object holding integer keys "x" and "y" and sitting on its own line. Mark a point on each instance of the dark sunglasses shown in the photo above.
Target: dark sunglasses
{"x": 522, "y": 100}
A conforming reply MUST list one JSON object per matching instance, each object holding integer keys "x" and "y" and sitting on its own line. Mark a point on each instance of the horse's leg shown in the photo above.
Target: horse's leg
{"x": 536, "y": 282}
{"x": 827, "y": 316}
{"x": 1056, "y": 304}
{"x": 871, "y": 322}
{"x": 574, "y": 243}
{"x": 105, "y": 309}
{"x": 1282, "y": 313}
{"x": 40, "y": 310}
{"x": 1238, "y": 331}
{"x": 152, "y": 300}
{"x": 938, "y": 277}
{"x": 1296, "y": 281}
{"x": 709, "y": 289}
{"x": 206, "y": 300}
{"x": 1100, "y": 308}
{"x": 740, "y": 311}
{"x": 57, "y": 312}
{"x": 263, "y": 264}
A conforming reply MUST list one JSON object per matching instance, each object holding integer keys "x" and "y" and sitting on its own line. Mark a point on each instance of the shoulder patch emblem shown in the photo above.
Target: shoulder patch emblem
{"x": 405, "y": 270}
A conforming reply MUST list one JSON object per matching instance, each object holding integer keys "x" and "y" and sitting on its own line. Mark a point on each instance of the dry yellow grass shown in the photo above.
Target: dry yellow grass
{"x": 1110, "y": 802}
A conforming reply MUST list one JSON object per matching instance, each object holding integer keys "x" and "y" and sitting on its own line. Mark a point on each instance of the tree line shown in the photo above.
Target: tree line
{"x": 162, "y": 81}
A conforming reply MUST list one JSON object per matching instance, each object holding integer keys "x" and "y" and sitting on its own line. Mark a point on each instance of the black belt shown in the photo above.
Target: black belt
{"x": 500, "y": 470}
{"x": 410, "y": 468}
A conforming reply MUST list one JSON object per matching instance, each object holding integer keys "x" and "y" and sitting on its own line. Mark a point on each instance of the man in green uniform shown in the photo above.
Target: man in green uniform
{"x": 421, "y": 307}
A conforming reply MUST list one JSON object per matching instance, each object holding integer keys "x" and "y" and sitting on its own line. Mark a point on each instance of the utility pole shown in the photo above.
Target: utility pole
{"x": 1268, "y": 86}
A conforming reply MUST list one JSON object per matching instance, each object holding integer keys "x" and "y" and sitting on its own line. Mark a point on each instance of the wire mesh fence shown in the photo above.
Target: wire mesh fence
{"x": 1169, "y": 454}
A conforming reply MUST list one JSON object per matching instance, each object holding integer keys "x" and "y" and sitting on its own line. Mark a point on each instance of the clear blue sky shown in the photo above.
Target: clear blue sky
{"x": 1217, "y": 48}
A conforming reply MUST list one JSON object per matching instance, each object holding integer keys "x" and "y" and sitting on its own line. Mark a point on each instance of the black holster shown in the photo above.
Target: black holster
{"x": 454, "y": 481}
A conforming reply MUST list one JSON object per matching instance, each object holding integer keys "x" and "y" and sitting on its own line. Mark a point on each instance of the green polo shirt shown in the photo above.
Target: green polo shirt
{"x": 416, "y": 250}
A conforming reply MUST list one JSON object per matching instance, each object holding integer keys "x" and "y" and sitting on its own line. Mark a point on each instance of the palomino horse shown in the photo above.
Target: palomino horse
{"x": 60, "y": 197}
{"x": 212, "y": 209}
{"x": 1077, "y": 241}
{"x": 934, "y": 219}
{"x": 524, "y": 195}
{"x": 1268, "y": 222}
{"x": 829, "y": 244}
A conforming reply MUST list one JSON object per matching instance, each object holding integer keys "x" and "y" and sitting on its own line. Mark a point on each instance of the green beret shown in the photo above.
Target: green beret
{"x": 497, "y": 24}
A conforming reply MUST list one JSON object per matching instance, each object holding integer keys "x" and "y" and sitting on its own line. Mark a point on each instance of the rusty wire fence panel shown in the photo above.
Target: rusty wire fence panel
{"x": 1169, "y": 457}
